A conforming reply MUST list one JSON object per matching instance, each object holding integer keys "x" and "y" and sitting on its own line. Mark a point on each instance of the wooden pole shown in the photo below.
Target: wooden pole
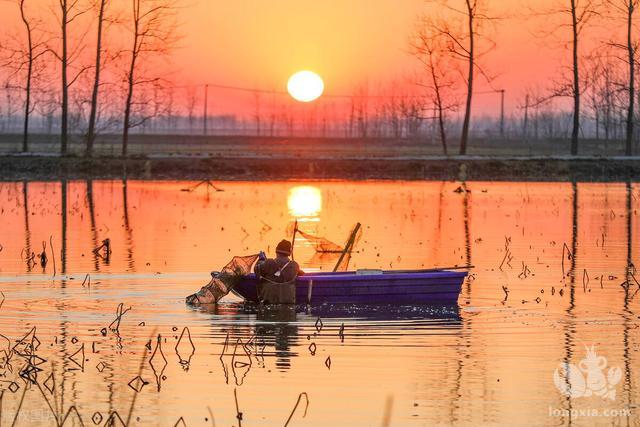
{"x": 293, "y": 239}
{"x": 348, "y": 247}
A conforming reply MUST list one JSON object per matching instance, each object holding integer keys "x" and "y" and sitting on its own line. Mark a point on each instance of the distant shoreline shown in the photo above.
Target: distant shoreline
{"x": 251, "y": 167}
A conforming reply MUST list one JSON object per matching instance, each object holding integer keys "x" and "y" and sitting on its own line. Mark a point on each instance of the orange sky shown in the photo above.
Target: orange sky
{"x": 258, "y": 43}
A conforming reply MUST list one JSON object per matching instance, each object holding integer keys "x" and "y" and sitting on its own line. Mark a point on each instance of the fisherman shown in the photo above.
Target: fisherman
{"x": 277, "y": 276}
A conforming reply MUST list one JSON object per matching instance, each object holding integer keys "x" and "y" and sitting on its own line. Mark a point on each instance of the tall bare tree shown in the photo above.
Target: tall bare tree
{"x": 24, "y": 62}
{"x": 576, "y": 78}
{"x": 70, "y": 11}
{"x": 101, "y": 6}
{"x": 431, "y": 49}
{"x": 576, "y": 14}
{"x": 632, "y": 46}
{"x": 34, "y": 50}
{"x": 466, "y": 42}
{"x": 154, "y": 29}
{"x": 30, "y": 61}
{"x": 625, "y": 10}
{"x": 469, "y": 53}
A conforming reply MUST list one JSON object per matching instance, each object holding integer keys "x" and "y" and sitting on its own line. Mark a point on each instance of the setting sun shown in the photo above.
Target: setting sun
{"x": 304, "y": 201}
{"x": 305, "y": 86}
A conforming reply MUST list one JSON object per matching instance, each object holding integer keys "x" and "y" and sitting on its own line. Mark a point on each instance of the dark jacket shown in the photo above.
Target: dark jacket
{"x": 268, "y": 269}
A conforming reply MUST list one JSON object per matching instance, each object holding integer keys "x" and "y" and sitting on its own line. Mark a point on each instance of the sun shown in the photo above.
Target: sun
{"x": 305, "y": 86}
{"x": 304, "y": 201}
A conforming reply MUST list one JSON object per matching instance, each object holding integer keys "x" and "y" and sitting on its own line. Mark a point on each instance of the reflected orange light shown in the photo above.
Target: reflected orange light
{"x": 304, "y": 201}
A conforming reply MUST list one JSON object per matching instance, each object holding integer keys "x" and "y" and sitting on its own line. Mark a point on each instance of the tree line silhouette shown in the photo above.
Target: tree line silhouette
{"x": 92, "y": 66}
{"x": 53, "y": 47}
{"x": 452, "y": 39}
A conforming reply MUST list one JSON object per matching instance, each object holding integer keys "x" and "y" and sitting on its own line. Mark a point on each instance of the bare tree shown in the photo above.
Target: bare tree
{"x": 352, "y": 115}
{"x": 70, "y": 11}
{"x": 30, "y": 60}
{"x": 595, "y": 76}
{"x": 466, "y": 42}
{"x": 101, "y": 7}
{"x": 538, "y": 110}
{"x": 273, "y": 114}
{"x": 626, "y": 10}
{"x": 257, "y": 113}
{"x": 576, "y": 78}
{"x": 153, "y": 28}
{"x": 24, "y": 63}
{"x": 411, "y": 109}
{"x": 11, "y": 106}
{"x": 170, "y": 113}
{"x": 578, "y": 13}
{"x": 392, "y": 113}
{"x": 607, "y": 99}
{"x": 192, "y": 101}
{"x": 77, "y": 103}
{"x": 46, "y": 105}
{"x": 34, "y": 50}
{"x": 360, "y": 110}
{"x": 431, "y": 49}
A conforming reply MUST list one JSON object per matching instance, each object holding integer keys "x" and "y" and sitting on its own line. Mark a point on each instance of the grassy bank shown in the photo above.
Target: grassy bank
{"x": 253, "y": 146}
{"x": 275, "y": 168}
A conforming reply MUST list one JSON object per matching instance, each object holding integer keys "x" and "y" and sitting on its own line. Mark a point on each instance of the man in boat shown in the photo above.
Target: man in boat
{"x": 277, "y": 276}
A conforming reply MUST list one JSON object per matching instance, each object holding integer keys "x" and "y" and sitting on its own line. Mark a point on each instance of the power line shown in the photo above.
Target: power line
{"x": 324, "y": 95}
{"x": 238, "y": 88}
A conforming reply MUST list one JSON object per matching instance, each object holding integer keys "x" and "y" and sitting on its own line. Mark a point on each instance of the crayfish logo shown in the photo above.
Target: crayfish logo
{"x": 588, "y": 378}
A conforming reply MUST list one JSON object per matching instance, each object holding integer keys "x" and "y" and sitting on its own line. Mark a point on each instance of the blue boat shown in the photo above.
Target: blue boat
{"x": 369, "y": 287}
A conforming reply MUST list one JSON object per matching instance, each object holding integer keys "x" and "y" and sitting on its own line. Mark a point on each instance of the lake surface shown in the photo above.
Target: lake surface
{"x": 98, "y": 338}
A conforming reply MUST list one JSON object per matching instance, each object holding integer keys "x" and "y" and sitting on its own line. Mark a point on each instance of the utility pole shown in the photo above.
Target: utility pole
{"x": 526, "y": 118}
{"x": 501, "y": 112}
{"x": 206, "y": 107}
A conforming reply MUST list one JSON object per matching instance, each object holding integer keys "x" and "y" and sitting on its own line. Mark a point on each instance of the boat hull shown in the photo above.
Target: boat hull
{"x": 434, "y": 287}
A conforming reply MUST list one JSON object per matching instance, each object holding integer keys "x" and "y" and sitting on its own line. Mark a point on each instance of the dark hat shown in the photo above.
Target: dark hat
{"x": 284, "y": 247}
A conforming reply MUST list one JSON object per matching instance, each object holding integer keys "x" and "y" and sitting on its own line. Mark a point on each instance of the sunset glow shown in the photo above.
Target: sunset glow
{"x": 362, "y": 212}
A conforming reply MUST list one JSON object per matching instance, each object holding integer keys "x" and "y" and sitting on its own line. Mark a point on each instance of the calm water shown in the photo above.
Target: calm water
{"x": 551, "y": 261}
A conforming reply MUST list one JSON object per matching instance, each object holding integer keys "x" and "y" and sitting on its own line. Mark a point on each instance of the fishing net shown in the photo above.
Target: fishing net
{"x": 325, "y": 247}
{"x": 222, "y": 282}
{"x": 320, "y": 244}
{"x": 345, "y": 258}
